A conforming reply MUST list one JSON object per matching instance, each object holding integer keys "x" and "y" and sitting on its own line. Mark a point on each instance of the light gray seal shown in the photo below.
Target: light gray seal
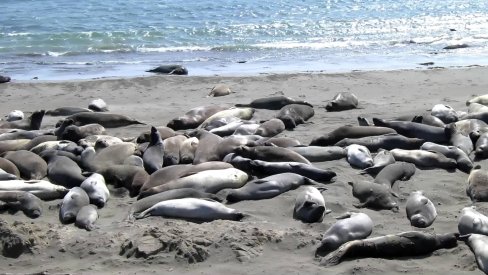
{"x": 425, "y": 159}
{"x": 269, "y": 153}
{"x": 373, "y": 195}
{"x": 164, "y": 131}
{"x": 320, "y": 153}
{"x": 479, "y": 245}
{"x": 380, "y": 160}
{"x": 309, "y": 205}
{"x": 270, "y": 128}
{"x": 349, "y": 131}
{"x": 359, "y": 156}
{"x": 342, "y": 101}
{"x": 153, "y": 156}
{"x": 351, "y": 226}
{"x": 463, "y": 161}
{"x": 268, "y": 187}
{"x": 30, "y": 165}
{"x": 477, "y": 188}
{"x": 273, "y": 103}
{"x": 172, "y": 69}
{"x": 477, "y": 108}
{"x": 428, "y": 119}
{"x": 72, "y": 203}
{"x": 86, "y": 217}
{"x": 31, "y": 123}
{"x": 24, "y": 201}
{"x": 420, "y": 210}
{"x": 482, "y": 99}
{"x": 472, "y": 222}
{"x": 415, "y": 130}
{"x": 387, "y": 142}
{"x": 75, "y": 133}
{"x": 220, "y": 90}
{"x": 192, "y": 209}
{"x": 284, "y": 142}
{"x": 14, "y": 115}
{"x": 107, "y": 120}
{"x": 295, "y": 114}
{"x": 193, "y": 118}
{"x": 96, "y": 189}
{"x": 445, "y": 113}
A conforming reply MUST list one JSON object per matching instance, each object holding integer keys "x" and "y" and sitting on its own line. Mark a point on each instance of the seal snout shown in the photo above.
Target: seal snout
{"x": 34, "y": 214}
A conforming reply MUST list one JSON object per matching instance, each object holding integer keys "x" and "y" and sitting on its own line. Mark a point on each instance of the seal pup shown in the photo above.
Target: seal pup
{"x": 14, "y": 115}
{"x": 220, "y": 90}
{"x": 373, "y": 195}
{"x": 309, "y": 205}
{"x": 359, "y": 156}
{"x": 96, "y": 189}
{"x": 273, "y": 103}
{"x": 349, "y": 131}
{"x": 193, "y": 118}
{"x": 172, "y": 69}
{"x": 445, "y": 113}
{"x": 477, "y": 188}
{"x": 478, "y": 244}
{"x": 269, "y": 153}
{"x": 472, "y": 222}
{"x": 425, "y": 159}
{"x": 387, "y": 142}
{"x": 72, "y": 203}
{"x": 192, "y": 209}
{"x": 268, "y": 187}
{"x": 463, "y": 161}
{"x": 24, "y": 201}
{"x": 295, "y": 114}
{"x": 380, "y": 161}
{"x": 420, "y": 210}
{"x": 351, "y": 226}
{"x": 98, "y": 105}
{"x": 395, "y": 171}
{"x": 342, "y": 101}
{"x": 30, "y": 165}
{"x": 31, "y": 123}
{"x": 415, "y": 130}
{"x": 153, "y": 157}
{"x": 270, "y": 128}
{"x": 405, "y": 244}
{"x": 86, "y": 217}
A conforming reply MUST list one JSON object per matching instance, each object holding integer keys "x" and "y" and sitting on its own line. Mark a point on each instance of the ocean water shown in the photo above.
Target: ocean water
{"x": 65, "y": 39}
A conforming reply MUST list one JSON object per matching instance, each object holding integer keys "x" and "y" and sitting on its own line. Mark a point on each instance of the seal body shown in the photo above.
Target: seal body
{"x": 98, "y": 105}
{"x": 395, "y": 171}
{"x": 193, "y": 118}
{"x": 479, "y": 245}
{"x": 373, "y": 195}
{"x": 63, "y": 171}
{"x": 23, "y": 201}
{"x": 420, "y": 210}
{"x": 445, "y": 113}
{"x": 382, "y": 159}
{"x": 269, "y": 153}
{"x": 320, "y": 153}
{"x": 482, "y": 99}
{"x": 387, "y": 142}
{"x": 415, "y": 130}
{"x": 30, "y": 165}
{"x": 273, "y": 103}
{"x": 309, "y": 205}
{"x": 153, "y": 157}
{"x": 86, "y": 217}
{"x": 348, "y": 131}
{"x": 342, "y": 101}
{"x": 477, "y": 188}
{"x": 72, "y": 203}
{"x": 40, "y": 188}
{"x": 270, "y": 128}
{"x": 96, "y": 189}
{"x": 472, "y": 221}
{"x": 463, "y": 161}
{"x": 424, "y": 159}
{"x": 107, "y": 120}
{"x": 187, "y": 150}
{"x": 172, "y": 69}
{"x": 66, "y": 111}
{"x": 220, "y": 90}
{"x": 359, "y": 156}
{"x": 295, "y": 114}
{"x": 306, "y": 170}
{"x": 171, "y": 148}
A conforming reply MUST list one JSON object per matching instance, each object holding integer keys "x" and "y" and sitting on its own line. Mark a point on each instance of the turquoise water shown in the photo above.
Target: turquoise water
{"x": 59, "y": 39}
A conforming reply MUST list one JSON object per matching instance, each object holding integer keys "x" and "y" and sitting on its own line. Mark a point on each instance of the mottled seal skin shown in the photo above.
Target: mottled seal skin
{"x": 187, "y": 150}
{"x": 86, "y": 217}
{"x": 63, "y": 171}
{"x": 193, "y": 118}
{"x": 220, "y": 90}
{"x": 217, "y": 124}
{"x": 463, "y": 161}
{"x": 359, "y": 156}
{"x": 373, "y": 195}
{"x": 415, "y": 130}
{"x": 472, "y": 222}
{"x": 193, "y": 209}
{"x": 349, "y": 131}
{"x": 107, "y": 120}
{"x": 395, "y": 171}
{"x": 269, "y": 153}
{"x": 96, "y": 189}
{"x": 420, "y": 210}
{"x": 172, "y": 69}
{"x": 445, "y": 113}
{"x": 387, "y": 142}
{"x": 342, "y": 101}
{"x": 471, "y": 127}
{"x": 479, "y": 245}
{"x": 382, "y": 159}
{"x": 320, "y": 153}
{"x": 458, "y": 139}
{"x": 72, "y": 203}
{"x": 246, "y": 129}
{"x": 425, "y": 159}
{"x": 405, "y": 244}
{"x": 352, "y": 226}
{"x": 31, "y": 123}
{"x": 30, "y": 165}
{"x": 273, "y": 103}
{"x": 23, "y": 201}
{"x": 171, "y": 150}
{"x": 153, "y": 156}
{"x": 482, "y": 99}
{"x": 309, "y": 205}
{"x": 270, "y": 128}
{"x": 483, "y": 116}
{"x": 477, "y": 188}
{"x": 295, "y": 114}
{"x": 268, "y": 187}
{"x": 66, "y": 111}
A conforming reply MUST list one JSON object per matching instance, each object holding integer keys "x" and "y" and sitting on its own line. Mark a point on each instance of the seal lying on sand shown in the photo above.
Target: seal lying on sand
{"x": 342, "y": 101}
{"x": 170, "y": 69}
{"x": 273, "y": 103}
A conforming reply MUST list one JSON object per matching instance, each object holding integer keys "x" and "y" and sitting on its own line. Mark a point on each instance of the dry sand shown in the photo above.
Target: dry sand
{"x": 269, "y": 241}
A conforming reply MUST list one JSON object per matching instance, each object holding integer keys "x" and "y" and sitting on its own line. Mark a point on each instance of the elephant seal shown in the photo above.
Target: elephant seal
{"x": 164, "y": 132}
{"x": 75, "y": 133}
{"x": 373, "y": 195}
{"x": 458, "y": 139}
{"x": 425, "y": 159}
{"x": 14, "y": 115}
{"x": 208, "y": 146}
{"x": 309, "y": 205}
{"x": 270, "y": 128}
{"x": 445, "y": 113}
{"x": 19, "y": 134}
{"x": 428, "y": 119}
{"x": 171, "y": 148}
{"x": 295, "y": 114}
{"x": 239, "y": 113}
{"x": 24, "y": 201}
{"x": 268, "y": 187}
{"x": 222, "y": 126}
{"x": 9, "y": 167}
{"x": 284, "y": 142}
{"x": 99, "y": 141}
{"x": 193, "y": 118}
{"x": 206, "y": 181}
{"x": 471, "y": 127}
{"x": 220, "y": 90}
{"x": 359, "y": 156}
{"x": 112, "y": 155}
{"x": 66, "y": 111}
{"x": 420, "y": 210}
{"x": 477, "y": 108}
{"x": 96, "y": 189}
{"x": 320, "y": 153}
{"x": 4, "y": 79}
{"x": 172, "y": 69}
{"x": 98, "y": 105}
{"x": 349, "y": 131}
{"x": 387, "y": 142}
{"x": 38, "y": 140}
{"x": 128, "y": 176}
{"x": 153, "y": 157}
{"x": 229, "y": 128}
{"x": 134, "y": 161}
{"x": 405, "y": 244}
{"x": 40, "y": 188}
{"x": 472, "y": 222}
{"x": 86, "y": 217}
{"x": 147, "y": 202}
{"x": 231, "y": 143}
{"x": 12, "y": 145}
{"x": 482, "y": 99}
{"x": 192, "y": 209}
{"x": 306, "y": 170}
{"x": 395, "y": 171}
{"x": 463, "y": 161}
{"x": 187, "y": 150}
{"x": 72, "y": 203}
{"x": 415, "y": 130}
{"x": 273, "y": 103}
{"x": 342, "y": 101}
{"x": 477, "y": 188}
{"x": 352, "y": 226}
{"x": 481, "y": 146}
{"x": 107, "y": 120}
{"x": 31, "y": 123}
{"x": 269, "y": 153}
{"x": 380, "y": 161}
{"x": 30, "y": 165}
{"x": 478, "y": 244}
{"x": 63, "y": 171}
{"x": 246, "y": 129}
{"x": 483, "y": 116}
{"x": 6, "y": 176}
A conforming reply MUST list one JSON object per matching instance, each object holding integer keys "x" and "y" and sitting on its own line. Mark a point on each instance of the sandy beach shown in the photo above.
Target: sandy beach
{"x": 269, "y": 240}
